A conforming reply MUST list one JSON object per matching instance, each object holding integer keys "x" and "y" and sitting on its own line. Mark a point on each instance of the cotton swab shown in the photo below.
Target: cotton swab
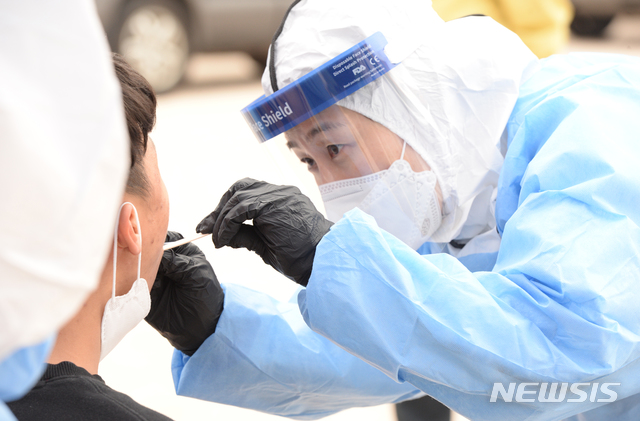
{"x": 173, "y": 244}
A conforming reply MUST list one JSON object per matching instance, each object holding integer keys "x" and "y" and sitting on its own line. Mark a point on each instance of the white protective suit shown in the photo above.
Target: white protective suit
{"x": 441, "y": 105}
{"x": 63, "y": 165}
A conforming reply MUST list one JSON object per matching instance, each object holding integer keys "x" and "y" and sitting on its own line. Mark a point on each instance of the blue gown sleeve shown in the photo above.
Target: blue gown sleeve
{"x": 5, "y": 413}
{"x": 264, "y": 357}
{"x": 561, "y": 303}
{"x": 20, "y": 371}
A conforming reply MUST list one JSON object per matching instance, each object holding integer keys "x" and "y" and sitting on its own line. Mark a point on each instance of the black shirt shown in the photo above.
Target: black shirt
{"x": 68, "y": 392}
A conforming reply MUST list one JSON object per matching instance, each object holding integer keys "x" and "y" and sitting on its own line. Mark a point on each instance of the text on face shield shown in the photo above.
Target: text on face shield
{"x": 280, "y": 114}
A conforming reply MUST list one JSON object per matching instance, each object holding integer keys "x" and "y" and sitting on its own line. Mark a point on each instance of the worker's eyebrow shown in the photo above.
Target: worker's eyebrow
{"x": 318, "y": 128}
{"x": 322, "y": 127}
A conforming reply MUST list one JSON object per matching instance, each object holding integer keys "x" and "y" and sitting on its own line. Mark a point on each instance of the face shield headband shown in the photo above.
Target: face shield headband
{"x": 319, "y": 89}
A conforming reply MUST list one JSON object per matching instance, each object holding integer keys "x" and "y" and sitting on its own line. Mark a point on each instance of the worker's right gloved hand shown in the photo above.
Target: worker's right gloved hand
{"x": 286, "y": 226}
{"x": 186, "y": 298}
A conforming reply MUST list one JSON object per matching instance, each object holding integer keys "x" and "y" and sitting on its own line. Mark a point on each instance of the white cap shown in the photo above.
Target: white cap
{"x": 63, "y": 165}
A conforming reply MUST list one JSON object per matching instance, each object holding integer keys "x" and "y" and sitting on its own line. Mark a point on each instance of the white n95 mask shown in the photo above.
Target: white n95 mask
{"x": 402, "y": 201}
{"x": 123, "y": 313}
{"x": 341, "y": 196}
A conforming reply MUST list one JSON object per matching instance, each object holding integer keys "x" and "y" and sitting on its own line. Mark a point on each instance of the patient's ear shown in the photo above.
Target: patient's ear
{"x": 129, "y": 230}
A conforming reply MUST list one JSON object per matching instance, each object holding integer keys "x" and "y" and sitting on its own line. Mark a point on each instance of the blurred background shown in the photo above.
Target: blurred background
{"x": 205, "y": 58}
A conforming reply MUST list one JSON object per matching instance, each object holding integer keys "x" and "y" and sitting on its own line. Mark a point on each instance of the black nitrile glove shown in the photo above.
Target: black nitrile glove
{"x": 286, "y": 226}
{"x": 186, "y": 298}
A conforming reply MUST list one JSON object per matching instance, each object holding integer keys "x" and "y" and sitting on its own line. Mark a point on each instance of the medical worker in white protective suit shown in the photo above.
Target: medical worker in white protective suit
{"x": 486, "y": 244}
{"x": 63, "y": 165}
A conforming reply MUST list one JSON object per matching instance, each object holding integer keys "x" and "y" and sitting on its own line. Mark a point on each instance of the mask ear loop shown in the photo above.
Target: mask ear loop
{"x": 404, "y": 146}
{"x": 115, "y": 245}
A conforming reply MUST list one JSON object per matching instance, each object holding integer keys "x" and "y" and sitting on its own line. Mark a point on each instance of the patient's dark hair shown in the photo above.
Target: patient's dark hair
{"x": 140, "y": 111}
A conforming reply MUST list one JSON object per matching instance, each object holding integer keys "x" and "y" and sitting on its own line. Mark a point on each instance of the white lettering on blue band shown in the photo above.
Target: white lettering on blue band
{"x": 319, "y": 89}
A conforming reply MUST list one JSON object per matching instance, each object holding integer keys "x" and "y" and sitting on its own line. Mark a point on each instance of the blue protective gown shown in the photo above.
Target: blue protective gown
{"x": 559, "y": 305}
{"x": 264, "y": 357}
{"x": 20, "y": 371}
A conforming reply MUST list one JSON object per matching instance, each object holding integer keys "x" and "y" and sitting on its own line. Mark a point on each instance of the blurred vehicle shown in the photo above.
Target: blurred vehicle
{"x": 593, "y": 16}
{"x": 157, "y": 36}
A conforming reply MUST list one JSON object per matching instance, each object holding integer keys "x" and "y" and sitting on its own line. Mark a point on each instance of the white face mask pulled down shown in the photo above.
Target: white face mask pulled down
{"x": 402, "y": 201}
{"x": 123, "y": 313}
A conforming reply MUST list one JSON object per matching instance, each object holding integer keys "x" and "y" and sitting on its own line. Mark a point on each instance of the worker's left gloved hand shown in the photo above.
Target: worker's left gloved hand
{"x": 286, "y": 226}
{"x": 186, "y": 298}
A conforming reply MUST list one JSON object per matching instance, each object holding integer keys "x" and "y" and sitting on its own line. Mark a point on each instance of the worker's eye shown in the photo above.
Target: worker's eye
{"x": 310, "y": 163}
{"x": 334, "y": 150}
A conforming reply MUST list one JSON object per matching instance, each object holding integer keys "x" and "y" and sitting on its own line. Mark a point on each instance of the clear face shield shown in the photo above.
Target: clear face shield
{"x": 354, "y": 160}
